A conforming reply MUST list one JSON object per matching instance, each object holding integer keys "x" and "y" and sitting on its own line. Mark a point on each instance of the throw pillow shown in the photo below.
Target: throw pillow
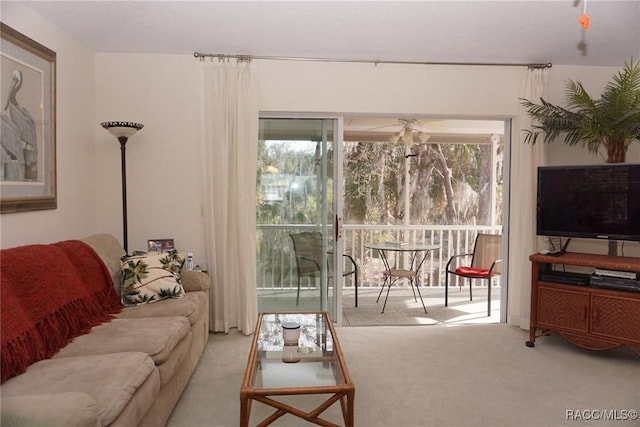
{"x": 151, "y": 277}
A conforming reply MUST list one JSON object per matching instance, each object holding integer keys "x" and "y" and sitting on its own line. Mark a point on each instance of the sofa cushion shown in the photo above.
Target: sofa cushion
{"x": 156, "y": 337}
{"x": 109, "y": 379}
{"x": 151, "y": 277}
{"x": 176, "y": 359}
{"x": 70, "y": 409}
{"x": 191, "y": 307}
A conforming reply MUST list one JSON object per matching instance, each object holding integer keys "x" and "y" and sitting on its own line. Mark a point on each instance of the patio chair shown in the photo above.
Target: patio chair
{"x": 308, "y": 251}
{"x": 485, "y": 264}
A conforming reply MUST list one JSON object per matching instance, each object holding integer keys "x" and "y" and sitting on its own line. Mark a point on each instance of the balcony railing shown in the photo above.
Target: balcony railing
{"x": 277, "y": 266}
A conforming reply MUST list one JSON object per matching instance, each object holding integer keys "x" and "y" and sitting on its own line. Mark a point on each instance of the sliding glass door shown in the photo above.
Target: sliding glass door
{"x": 296, "y": 202}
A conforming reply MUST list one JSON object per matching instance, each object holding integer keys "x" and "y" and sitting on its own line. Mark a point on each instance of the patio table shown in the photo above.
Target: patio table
{"x": 418, "y": 253}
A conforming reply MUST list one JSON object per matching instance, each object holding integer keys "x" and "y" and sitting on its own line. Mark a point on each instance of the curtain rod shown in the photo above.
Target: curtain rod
{"x": 222, "y": 57}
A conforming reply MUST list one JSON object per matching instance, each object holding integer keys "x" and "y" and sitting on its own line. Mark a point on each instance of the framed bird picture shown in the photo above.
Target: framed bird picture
{"x": 28, "y": 134}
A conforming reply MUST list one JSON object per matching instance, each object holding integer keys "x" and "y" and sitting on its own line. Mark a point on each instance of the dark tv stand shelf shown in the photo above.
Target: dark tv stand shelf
{"x": 592, "y": 318}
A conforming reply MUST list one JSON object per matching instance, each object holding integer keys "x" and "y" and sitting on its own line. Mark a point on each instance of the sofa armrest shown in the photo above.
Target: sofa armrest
{"x": 68, "y": 409}
{"x": 195, "y": 281}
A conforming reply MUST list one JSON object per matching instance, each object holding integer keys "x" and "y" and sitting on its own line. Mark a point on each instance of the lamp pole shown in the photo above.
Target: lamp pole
{"x": 123, "y": 162}
{"x": 122, "y": 131}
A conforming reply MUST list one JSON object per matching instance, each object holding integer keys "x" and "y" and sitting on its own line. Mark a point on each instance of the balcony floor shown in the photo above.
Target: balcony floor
{"x": 401, "y": 308}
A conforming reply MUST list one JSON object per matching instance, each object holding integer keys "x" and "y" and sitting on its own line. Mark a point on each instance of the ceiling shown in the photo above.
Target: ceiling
{"x": 476, "y": 31}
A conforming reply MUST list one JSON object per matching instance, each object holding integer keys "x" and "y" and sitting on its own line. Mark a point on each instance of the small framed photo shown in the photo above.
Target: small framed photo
{"x": 161, "y": 245}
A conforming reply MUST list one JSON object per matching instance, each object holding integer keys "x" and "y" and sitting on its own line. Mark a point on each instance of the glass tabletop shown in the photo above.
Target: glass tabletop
{"x": 314, "y": 362}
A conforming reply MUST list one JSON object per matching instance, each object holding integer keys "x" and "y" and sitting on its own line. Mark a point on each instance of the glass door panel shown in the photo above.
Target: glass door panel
{"x": 295, "y": 200}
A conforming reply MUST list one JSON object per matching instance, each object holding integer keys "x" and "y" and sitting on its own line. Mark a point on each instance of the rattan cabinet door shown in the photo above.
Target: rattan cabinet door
{"x": 565, "y": 309}
{"x": 616, "y": 317}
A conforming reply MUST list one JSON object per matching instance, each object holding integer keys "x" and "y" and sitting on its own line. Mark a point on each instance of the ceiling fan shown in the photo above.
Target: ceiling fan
{"x": 408, "y": 132}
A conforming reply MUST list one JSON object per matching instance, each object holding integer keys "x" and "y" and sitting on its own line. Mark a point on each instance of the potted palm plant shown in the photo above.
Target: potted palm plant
{"x": 612, "y": 122}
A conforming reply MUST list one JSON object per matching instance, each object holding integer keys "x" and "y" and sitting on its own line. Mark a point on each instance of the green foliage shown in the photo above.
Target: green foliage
{"x": 292, "y": 161}
{"x": 613, "y": 121}
{"x": 374, "y": 182}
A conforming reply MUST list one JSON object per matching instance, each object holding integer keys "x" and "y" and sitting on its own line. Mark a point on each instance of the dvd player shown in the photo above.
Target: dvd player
{"x": 615, "y": 273}
{"x": 615, "y": 283}
{"x": 567, "y": 277}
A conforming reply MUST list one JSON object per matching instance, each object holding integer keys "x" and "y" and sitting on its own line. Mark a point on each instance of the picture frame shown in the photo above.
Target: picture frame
{"x": 28, "y": 137}
{"x": 160, "y": 245}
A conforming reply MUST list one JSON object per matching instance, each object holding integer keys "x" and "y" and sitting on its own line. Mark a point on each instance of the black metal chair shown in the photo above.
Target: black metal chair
{"x": 308, "y": 251}
{"x": 485, "y": 264}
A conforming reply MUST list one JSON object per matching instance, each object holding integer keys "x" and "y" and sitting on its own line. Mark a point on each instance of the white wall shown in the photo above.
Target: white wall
{"x": 75, "y": 215}
{"x": 453, "y": 91}
{"x": 163, "y": 92}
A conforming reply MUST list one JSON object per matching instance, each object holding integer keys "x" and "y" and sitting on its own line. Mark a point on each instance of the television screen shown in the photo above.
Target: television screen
{"x": 593, "y": 201}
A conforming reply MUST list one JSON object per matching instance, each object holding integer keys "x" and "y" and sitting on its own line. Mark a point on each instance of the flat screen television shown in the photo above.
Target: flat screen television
{"x": 589, "y": 201}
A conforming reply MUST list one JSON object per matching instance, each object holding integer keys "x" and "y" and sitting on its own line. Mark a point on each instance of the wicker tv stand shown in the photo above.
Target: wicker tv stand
{"x": 592, "y": 318}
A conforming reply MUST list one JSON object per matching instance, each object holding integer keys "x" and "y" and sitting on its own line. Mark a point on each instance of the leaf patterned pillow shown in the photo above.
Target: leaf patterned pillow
{"x": 151, "y": 277}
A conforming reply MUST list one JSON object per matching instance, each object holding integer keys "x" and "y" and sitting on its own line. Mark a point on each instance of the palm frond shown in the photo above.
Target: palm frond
{"x": 612, "y": 120}
{"x": 578, "y": 98}
{"x": 627, "y": 80}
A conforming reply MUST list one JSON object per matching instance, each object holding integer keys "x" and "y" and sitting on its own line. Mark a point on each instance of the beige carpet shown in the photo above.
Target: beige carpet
{"x": 403, "y": 309}
{"x": 441, "y": 376}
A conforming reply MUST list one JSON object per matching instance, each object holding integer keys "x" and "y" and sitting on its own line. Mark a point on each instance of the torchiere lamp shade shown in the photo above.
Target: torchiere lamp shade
{"x": 119, "y": 129}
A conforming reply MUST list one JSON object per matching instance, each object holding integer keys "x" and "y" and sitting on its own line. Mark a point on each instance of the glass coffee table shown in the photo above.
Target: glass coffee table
{"x": 315, "y": 366}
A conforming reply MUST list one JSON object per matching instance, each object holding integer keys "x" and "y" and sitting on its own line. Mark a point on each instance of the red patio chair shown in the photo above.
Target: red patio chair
{"x": 485, "y": 264}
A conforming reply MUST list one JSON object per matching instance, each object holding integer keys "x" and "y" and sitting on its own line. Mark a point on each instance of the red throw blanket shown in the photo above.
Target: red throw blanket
{"x": 50, "y": 294}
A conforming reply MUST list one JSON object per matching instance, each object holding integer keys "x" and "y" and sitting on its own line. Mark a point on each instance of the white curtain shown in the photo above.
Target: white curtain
{"x": 525, "y": 159}
{"x": 229, "y": 163}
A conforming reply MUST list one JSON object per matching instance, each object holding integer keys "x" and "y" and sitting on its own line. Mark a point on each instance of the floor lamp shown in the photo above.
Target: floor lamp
{"x": 122, "y": 131}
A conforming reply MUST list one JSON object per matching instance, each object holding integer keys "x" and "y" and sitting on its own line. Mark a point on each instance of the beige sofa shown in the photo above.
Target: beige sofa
{"x": 129, "y": 371}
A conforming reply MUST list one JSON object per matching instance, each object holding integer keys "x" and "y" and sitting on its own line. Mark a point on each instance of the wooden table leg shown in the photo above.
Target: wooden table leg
{"x": 245, "y": 410}
{"x": 351, "y": 395}
{"x": 348, "y": 408}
